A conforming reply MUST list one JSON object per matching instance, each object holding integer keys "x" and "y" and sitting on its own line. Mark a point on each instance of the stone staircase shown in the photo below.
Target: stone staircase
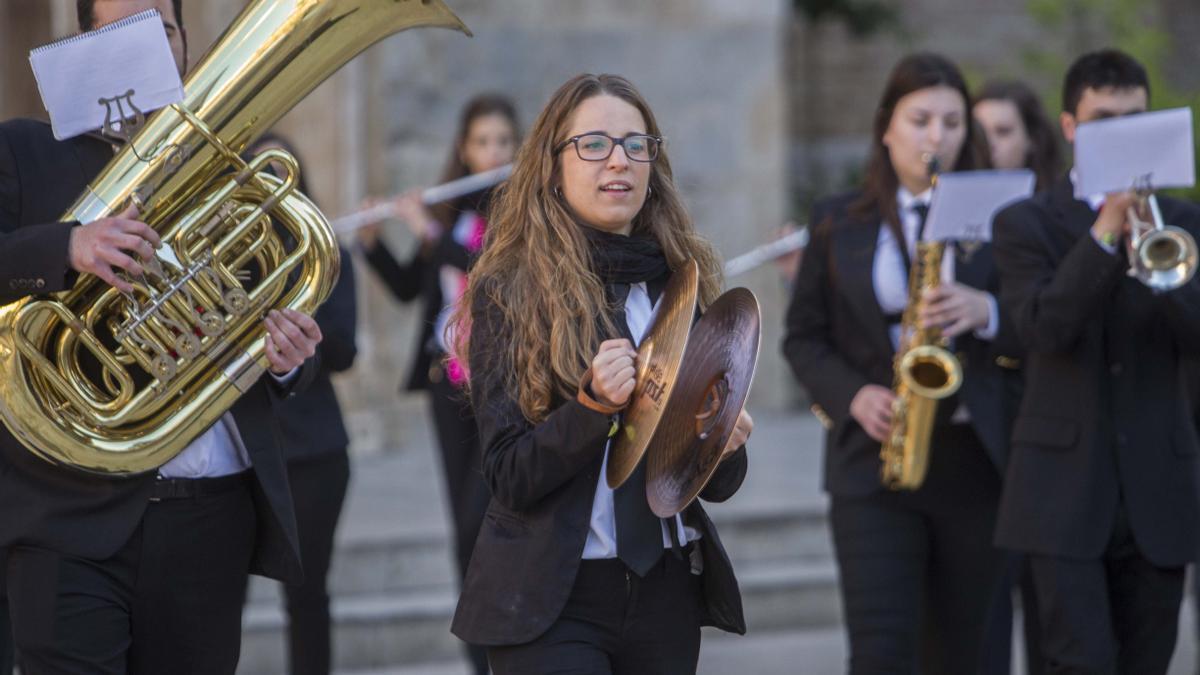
{"x": 394, "y": 585}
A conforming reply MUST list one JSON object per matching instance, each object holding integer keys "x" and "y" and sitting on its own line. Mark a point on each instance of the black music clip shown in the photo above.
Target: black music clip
{"x": 119, "y": 124}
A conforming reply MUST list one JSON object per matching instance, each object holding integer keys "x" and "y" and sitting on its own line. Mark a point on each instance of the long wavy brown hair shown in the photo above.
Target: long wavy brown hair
{"x": 536, "y": 269}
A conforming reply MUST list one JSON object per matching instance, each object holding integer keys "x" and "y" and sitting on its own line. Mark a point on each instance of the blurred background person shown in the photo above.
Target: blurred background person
{"x": 315, "y": 446}
{"x": 917, "y": 569}
{"x": 449, "y": 236}
{"x": 1019, "y": 134}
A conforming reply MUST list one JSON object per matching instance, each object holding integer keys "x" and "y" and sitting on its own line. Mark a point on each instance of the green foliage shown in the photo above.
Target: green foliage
{"x": 1128, "y": 25}
{"x": 862, "y": 17}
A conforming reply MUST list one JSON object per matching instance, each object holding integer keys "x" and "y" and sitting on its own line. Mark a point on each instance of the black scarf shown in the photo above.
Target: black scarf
{"x": 619, "y": 259}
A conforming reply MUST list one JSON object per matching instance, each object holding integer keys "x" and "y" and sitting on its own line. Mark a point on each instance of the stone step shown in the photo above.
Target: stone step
{"x": 412, "y": 627}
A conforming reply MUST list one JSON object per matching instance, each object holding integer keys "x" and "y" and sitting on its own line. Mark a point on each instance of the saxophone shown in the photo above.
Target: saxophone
{"x": 924, "y": 373}
{"x": 119, "y": 383}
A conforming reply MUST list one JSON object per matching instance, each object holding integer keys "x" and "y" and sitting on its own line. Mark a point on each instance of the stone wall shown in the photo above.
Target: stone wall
{"x": 713, "y": 71}
{"x": 762, "y": 111}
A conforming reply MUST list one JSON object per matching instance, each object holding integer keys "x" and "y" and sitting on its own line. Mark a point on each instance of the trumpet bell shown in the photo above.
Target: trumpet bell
{"x": 1165, "y": 259}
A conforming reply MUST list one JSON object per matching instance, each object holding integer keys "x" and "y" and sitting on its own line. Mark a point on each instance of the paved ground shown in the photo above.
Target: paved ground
{"x": 401, "y": 492}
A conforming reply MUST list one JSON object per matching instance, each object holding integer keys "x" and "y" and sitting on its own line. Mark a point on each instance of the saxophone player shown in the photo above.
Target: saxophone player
{"x": 1101, "y": 492}
{"x": 916, "y": 568}
{"x": 144, "y": 574}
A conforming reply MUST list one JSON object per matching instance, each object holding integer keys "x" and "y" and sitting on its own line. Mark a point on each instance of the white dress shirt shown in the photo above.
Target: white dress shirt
{"x": 219, "y": 451}
{"x": 602, "y": 532}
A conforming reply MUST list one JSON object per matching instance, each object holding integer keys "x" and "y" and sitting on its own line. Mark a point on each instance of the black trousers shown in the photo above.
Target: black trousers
{"x": 616, "y": 623}
{"x": 462, "y": 467}
{"x": 917, "y": 570}
{"x": 318, "y": 491}
{"x": 169, "y": 601}
{"x": 6, "y": 639}
{"x": 997, "y": 647}
{"x": 1117, "y": 614}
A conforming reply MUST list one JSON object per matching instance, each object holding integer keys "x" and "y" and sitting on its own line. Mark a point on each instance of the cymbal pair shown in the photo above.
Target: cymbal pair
{"x": 693, "y": 377}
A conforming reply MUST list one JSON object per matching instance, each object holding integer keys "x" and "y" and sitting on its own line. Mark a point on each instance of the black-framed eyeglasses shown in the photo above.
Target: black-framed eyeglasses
{"x": 596, "y": 146}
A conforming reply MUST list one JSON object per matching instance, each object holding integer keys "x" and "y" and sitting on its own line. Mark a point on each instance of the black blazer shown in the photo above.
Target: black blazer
{"x": 71, "y": 512}
{"x": 311, "y": 421}
{"x": 837, "y": 341}
{"x": 543, "y": 480}
{"x": 1104, "y": 420}
{"x": 419, "y": 278}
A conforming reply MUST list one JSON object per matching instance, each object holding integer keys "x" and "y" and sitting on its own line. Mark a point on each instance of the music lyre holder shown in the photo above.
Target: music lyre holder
{"x": 121, "y": 126}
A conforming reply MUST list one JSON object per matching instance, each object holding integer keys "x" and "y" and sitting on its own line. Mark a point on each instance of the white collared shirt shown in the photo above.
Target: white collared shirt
{"x": 602, "y": 531}
{"x": 219, "y": 451}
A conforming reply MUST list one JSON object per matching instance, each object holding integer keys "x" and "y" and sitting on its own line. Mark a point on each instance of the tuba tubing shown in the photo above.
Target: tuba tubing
{"x": 117, "y": 385}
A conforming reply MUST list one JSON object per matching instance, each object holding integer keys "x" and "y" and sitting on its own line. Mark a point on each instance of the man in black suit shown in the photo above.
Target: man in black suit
{"x": 144, "y": 574}
{"x": 1102, "y": 484}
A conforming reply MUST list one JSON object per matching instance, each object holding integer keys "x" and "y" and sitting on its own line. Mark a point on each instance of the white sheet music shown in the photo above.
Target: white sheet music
{"x": 965, "y": 202}
{"x": 129, "y": 55}
{"x": 1112, "y": 155}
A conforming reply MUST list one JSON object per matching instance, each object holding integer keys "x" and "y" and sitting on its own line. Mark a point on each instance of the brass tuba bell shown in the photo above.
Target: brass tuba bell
{"x": 110, "y": 383}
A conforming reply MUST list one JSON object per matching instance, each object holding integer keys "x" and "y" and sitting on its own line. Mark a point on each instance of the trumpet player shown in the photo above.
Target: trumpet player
{"x": 916, "y": 567}
{"x": 143, "y": 574}
{"x": 1101, "y": 490}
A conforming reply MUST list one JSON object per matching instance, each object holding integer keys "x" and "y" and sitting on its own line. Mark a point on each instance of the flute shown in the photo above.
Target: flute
{"x": 429, "y": 196}
{"x": 767, "y": 252}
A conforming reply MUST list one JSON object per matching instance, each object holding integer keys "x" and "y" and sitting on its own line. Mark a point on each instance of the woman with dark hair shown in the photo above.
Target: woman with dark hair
{"x": 450, "y": 236}
{"x": 569, "y": 575}
{"x": 315, "y": 446}
{"x": 1019, "y": 134}
{"x": 916, "y": 568}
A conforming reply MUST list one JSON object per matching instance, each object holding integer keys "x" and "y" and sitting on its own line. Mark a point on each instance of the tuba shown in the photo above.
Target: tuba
{"x": 114, "y": 383}
{"x": 924, "y": 373}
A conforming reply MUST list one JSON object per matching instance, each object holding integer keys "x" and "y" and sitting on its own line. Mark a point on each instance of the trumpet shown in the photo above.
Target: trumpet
{"x": 429, "y": 196}
{"x": 1164, "y": 256}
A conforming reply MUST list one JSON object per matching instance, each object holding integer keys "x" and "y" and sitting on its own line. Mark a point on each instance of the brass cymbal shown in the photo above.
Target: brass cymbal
{"x": 659, "y": 357}
{"x": 705, "y": 402}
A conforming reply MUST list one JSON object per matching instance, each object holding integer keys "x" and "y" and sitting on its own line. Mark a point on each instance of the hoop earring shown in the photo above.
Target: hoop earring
{"x": 558, "y": 192}
{"x": 649, "y": 191}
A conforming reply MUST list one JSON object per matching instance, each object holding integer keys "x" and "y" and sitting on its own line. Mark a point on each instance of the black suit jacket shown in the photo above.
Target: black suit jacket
{"x": 1104, "y": 420}
{"x": 61, "y": 509}
{"x": 407, "y": 281}
{"x": 311, "y": 421}
{"x": 543, "y": 481}
{"x": 837, "y": 341}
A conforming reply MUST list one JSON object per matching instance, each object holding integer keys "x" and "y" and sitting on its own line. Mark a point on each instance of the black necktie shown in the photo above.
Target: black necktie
{"x": 922, "y": 211}
{"x": 639, "y": 531}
